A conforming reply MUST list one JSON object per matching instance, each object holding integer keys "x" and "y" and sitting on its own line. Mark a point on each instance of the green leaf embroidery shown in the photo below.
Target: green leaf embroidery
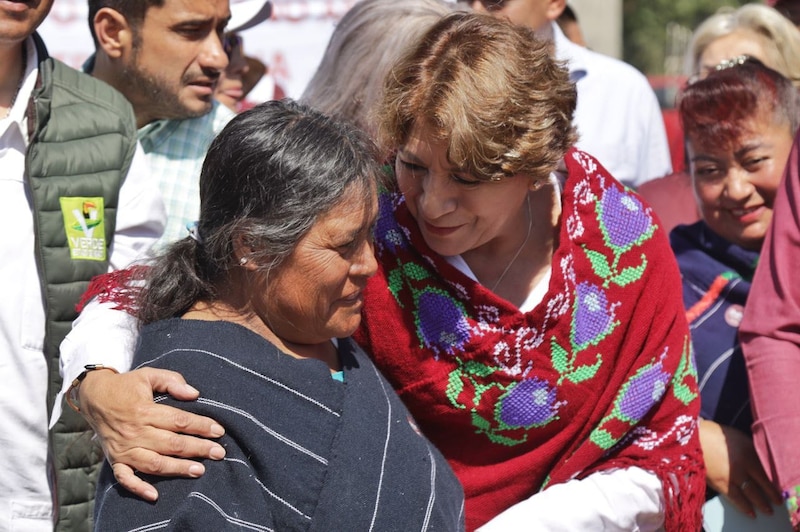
{"x": 476, "y": 368}
{"x": 395, "y": 281}
{"x": 586, "y": 372}
{"x": 630, "y": 274}
{"x": 415, "y": 271}
{"x": 680, "y": 389}
{"x": 559, "y": 356}
{"x": 480, "y": 423}
{"x": 480, "y": 389}
{"x": 504, "y": 440}
{"x": 599, "y": 263}
{"x": 455, "y": 385}
{"x": 602, "y": 438}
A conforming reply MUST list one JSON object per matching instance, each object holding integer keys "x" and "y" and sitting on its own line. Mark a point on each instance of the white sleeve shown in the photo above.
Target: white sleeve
{"x": 102, "y": 335}
{"x": 655, "y": 159}
{"x": 141, "y": 216}
{"x": 622, "y": 500}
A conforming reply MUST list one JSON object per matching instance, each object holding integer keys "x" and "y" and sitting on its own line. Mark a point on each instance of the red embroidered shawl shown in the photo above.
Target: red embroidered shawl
{"x": 598, "y": 376}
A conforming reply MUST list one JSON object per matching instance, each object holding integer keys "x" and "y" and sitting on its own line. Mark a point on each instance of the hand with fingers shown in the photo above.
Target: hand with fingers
{"x": 138, "y": 434}
{"x": 734, "y": 470}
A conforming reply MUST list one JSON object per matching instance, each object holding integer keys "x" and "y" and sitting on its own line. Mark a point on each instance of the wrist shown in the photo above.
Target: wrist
{"x": 72, "y": 395}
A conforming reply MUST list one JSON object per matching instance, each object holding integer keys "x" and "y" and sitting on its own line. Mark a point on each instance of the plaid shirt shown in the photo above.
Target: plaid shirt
{"x": 175, "y": 151}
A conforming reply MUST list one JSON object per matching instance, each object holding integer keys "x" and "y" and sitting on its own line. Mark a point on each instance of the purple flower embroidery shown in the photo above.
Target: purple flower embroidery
{"x": 387, "y": 232}
{"x": 529, "y": 403}
{"x": 593, "y": 317}
{"x": 643, "y": 391}
{"x": 624, "y": 218}
{"x": 441, "y": 325}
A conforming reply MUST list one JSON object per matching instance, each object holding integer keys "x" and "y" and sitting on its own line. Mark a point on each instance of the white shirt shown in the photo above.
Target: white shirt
{"x": 175, "y": 150}
{"x": 26, "y": 500}
{"x": 618, "y": 117}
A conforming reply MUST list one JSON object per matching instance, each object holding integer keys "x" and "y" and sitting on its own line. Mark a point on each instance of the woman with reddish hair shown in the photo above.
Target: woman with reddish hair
{"x": 740, "y": 122}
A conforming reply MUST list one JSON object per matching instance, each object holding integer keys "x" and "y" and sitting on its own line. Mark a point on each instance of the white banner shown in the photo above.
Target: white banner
{"x": 291, "y": 43}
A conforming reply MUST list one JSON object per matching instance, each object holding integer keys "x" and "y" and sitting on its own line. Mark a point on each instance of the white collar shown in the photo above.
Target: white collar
{"x": 573, "y": 54}
{"x": 17, "y": 114}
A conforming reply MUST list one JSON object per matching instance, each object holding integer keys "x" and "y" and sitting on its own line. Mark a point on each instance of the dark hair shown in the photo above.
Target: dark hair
{"x": 719, "y": 105}
{"x": 266, "y": 179}
{"x": 132, "y": 10}
{"x": 789, "y": 9}
{"x": 568, "y": 15}
{"x": 490, "y": 90}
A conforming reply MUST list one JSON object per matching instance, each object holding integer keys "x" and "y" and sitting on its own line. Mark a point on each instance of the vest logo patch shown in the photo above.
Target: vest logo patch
{"x": 84, "y": 223}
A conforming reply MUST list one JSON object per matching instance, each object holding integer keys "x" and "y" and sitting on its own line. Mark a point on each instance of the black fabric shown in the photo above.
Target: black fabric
{"x": 304, "y": 452}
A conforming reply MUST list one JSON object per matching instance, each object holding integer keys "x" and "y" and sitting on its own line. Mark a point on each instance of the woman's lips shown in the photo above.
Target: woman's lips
{"x": 748, "y": 215}
{"x": 439, "y": 230}
{"x": 355, "y": 297}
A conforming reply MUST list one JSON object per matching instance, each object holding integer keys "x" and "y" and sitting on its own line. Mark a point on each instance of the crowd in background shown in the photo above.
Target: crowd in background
{"x": 473, "y": 264}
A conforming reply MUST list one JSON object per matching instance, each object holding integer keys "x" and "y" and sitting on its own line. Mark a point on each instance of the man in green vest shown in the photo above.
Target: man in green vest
{"x": 165, "y": 57}
{"x": 77, "y": 200}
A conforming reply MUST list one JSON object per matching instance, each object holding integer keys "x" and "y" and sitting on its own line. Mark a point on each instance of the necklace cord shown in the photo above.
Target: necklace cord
{"x": 516, "y": 255}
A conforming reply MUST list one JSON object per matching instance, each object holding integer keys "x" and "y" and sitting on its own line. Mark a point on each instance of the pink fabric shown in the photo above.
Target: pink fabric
{"x": 674, "y": 129}
{"x": 770, "y": 334}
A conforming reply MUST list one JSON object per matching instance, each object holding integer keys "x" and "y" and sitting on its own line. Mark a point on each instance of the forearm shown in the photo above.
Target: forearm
{"x": 619, "y": 500}
{"x": 100, "y": 335}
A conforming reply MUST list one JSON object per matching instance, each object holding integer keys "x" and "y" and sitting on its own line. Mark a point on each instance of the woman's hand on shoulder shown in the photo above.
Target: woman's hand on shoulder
{"x": 734, "y": 470}
{"x": 138, "y": 434}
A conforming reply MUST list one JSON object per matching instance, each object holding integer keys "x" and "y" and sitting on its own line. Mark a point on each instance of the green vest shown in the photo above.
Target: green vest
{"x": 82, "y": 138}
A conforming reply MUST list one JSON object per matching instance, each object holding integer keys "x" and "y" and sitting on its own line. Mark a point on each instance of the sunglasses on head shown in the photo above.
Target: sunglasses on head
{"x": 723, "y": 65}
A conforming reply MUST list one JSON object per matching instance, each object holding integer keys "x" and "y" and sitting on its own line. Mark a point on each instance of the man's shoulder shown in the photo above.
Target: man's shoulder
{"x": 601, "y": 65}
{"x": 83, "y": 85}
{"x": 598, "y": 70}
{"x": 220, "y": 116}
{"x": 210, "y": 123}
{"x": 182, "y": 142}
{"x": 69, "y": 96}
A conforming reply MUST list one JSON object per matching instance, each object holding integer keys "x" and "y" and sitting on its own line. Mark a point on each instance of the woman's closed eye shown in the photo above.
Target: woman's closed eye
{"x": 753, "y": 163}
{"x": 465, "y": 181}
{"x": 708, "y": 172}
{"x": 414, "y": 168}
{"x": 347, "y": 248}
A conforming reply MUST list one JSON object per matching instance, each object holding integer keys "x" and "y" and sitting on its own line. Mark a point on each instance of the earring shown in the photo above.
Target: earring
{"x": 242, "y": 261}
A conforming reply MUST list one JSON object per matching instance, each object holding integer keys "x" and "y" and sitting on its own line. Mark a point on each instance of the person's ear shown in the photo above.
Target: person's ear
{"x": 114, "y": 34}
{"x": 243, "y": 253}
{"x": 555, "y": 8}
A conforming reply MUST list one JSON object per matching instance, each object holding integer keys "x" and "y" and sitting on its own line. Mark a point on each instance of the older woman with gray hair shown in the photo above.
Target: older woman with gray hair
{"x": 755, "y": 30}
{"x": 246, "y": 309}
{"x": 371, "y": 36}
